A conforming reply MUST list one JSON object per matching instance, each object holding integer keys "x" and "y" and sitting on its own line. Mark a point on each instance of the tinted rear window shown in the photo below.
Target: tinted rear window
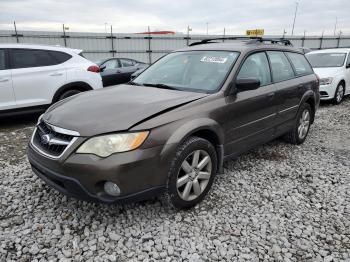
{"x": 24, "y": 58}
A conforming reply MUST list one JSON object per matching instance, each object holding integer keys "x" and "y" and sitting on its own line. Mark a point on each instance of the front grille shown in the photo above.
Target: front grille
{"x": 49, "y": 141}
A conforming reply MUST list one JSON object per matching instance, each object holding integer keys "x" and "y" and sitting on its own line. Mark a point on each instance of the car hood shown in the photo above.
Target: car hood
{"x": 324, "y": 72}
{"x": 116, "y": 108}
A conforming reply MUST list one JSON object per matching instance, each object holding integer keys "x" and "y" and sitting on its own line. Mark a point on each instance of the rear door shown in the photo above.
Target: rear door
{"x": 289, "y": 86}
{"x": 347, "y": 75}
{"x": 251, "y": 113}
{"x": 36, "y": 75}
{"x": 7, "y": 97}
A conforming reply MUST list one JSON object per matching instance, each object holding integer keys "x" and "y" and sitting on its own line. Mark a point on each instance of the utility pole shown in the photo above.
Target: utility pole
{"x": 112, "y": 42}
{"x": 295, "y": 16}
{"x": 284, "y": 33}
{"x": 207, "y": 28}
{"x": 335, "y": 25}
{"x": 14, "y": 23}
{"x": 188, "y": 35}
{"x": 106, "y": 27}
{"x": 223, "y": 40}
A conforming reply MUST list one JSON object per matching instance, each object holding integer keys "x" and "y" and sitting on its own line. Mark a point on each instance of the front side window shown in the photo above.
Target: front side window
{"x": 126, "y": 62}
{"x": 198, "y": 71}
{"x": 24, "y": 58}
{"x": 2, "y": 59}
{"x": 326, "y": 59}
{"x": 280, "y": 66}
{"x": 111, "y": 64}
{"x": 256, "y": 66}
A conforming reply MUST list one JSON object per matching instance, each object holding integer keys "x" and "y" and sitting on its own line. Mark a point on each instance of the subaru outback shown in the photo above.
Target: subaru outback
{"x": 169, "y": 131}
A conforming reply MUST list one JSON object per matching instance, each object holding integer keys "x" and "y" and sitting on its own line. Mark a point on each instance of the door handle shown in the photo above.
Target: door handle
{"x": 56, "y": 74}
{"x": 270, "y": 95}
{"x": 118, "y": 71}
{"x": 4, "y": 79}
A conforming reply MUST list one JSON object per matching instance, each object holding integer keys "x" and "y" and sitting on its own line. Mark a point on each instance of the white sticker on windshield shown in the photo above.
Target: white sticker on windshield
{"x": 214, "y": 59}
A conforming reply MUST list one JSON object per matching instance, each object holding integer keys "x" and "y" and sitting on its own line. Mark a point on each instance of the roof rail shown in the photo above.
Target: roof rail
{"x": 252, "y": 40}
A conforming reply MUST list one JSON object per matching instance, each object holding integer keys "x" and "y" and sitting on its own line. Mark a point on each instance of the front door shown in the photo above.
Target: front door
{"x": 251, "y": 114}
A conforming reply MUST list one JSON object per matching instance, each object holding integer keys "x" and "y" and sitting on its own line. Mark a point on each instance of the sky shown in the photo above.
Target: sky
{"x": 131, "y": 16}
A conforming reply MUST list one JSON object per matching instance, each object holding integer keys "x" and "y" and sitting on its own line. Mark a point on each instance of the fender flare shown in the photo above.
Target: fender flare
{"x": 79, "y": 85}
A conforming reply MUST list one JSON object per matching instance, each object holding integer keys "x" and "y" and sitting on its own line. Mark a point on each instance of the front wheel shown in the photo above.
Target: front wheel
{"x": 339, "y": 94}
{"x": 191, "y": 174}
{"x": 301, "y": 127}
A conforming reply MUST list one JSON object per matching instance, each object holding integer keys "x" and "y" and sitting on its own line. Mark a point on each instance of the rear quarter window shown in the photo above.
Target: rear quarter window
{"x": 300, "y": 64}
{"x": 60, "y": 57}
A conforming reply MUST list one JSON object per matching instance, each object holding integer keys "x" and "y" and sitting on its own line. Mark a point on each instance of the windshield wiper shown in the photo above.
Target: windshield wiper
{"x": 164, "y": 86}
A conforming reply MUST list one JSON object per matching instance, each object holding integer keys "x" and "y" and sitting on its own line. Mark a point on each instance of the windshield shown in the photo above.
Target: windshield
{"x": 326, "y": 59}
{"x": 198, "y": 71}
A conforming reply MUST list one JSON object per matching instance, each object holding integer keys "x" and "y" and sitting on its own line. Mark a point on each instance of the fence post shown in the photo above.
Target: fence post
{"x": 223, "y": 40}
{"x": 149, "y": 51}
{"x": 64, "y": 36}
{"x": 14, "y": 23}
{"x": 321, "y": 39}
{"x": 338, "y": 42}
{"x": 113, "y": 51}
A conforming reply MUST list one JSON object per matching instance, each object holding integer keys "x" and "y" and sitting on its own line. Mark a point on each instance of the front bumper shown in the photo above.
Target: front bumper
{"x": 140, "y": 174}
{"x": 327, "y": 92}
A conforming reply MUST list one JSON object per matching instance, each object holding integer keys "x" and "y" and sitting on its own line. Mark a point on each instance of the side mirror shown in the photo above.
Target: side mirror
{"x": 246, "y": 84}
{"x": 348, "y": 65}
{"x": 102, "y": 68}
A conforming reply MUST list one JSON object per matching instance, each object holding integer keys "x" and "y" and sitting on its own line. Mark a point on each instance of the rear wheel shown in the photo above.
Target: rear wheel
{"x": 191, "y": 174}
{"x": 339, "y": 94}
{"x": 301, "y": 127}
{"x": 68, "y": 94}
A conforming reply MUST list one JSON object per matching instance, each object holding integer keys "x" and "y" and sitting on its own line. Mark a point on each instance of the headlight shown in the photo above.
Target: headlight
{"x": 107, "y": 145}
{"x": 326, "y": 81}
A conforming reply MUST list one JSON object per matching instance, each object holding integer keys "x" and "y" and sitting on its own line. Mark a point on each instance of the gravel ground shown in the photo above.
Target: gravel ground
{"x": 278, "y": 202}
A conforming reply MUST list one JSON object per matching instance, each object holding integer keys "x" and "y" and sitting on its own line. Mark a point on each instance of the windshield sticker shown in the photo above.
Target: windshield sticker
{"x": 214, "y": 59}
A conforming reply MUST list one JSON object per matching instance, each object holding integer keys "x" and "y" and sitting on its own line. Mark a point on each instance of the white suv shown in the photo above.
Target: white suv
{"x": 35, "y": 76}
{"x": 333, "y": 67}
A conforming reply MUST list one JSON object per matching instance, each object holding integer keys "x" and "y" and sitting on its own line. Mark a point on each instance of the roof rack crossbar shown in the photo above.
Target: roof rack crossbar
{"x": 252, "y": 40}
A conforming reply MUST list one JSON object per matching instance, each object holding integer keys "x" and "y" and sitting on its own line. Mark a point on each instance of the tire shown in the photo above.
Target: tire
{"x": 68, "y": 94}
{"x": 299, "y": 132}
{"x": 189, "y": 183}
{"x": 339, "y": 94}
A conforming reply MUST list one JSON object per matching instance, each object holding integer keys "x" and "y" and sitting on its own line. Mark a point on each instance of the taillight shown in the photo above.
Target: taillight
{"x": 94, "y": 69}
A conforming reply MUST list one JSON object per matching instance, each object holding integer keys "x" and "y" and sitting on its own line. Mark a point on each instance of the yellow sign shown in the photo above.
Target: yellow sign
{"x": 255, "y": 32}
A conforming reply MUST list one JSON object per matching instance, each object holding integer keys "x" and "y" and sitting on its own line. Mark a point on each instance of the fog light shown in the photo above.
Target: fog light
{"x": 111, "y": 188}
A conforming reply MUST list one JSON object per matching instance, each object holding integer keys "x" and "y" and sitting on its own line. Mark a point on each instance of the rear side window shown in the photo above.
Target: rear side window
{"x": 24, "y": 58}
{"x": 256, "y": 66}
{"x": 60, "y": 57}
{"x": 301, "y": 65}
{"x": 280, "y": 66}
{"x": 2, "y": 60}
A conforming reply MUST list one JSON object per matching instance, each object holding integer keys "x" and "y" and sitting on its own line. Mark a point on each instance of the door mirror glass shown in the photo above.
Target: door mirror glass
{"x": 245, "y": 84}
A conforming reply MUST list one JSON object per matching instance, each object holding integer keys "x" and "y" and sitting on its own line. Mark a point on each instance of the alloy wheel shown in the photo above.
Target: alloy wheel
{"x": 194, "y": 175}
{"x": 304, "y": 124}
{"x": 340, "y": 94}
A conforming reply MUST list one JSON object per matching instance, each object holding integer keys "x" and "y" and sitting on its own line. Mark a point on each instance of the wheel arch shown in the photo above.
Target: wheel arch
{"x": 204, "y": 128}
{"x": 310, "y": 99}
{"x": 79, "y": 85}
